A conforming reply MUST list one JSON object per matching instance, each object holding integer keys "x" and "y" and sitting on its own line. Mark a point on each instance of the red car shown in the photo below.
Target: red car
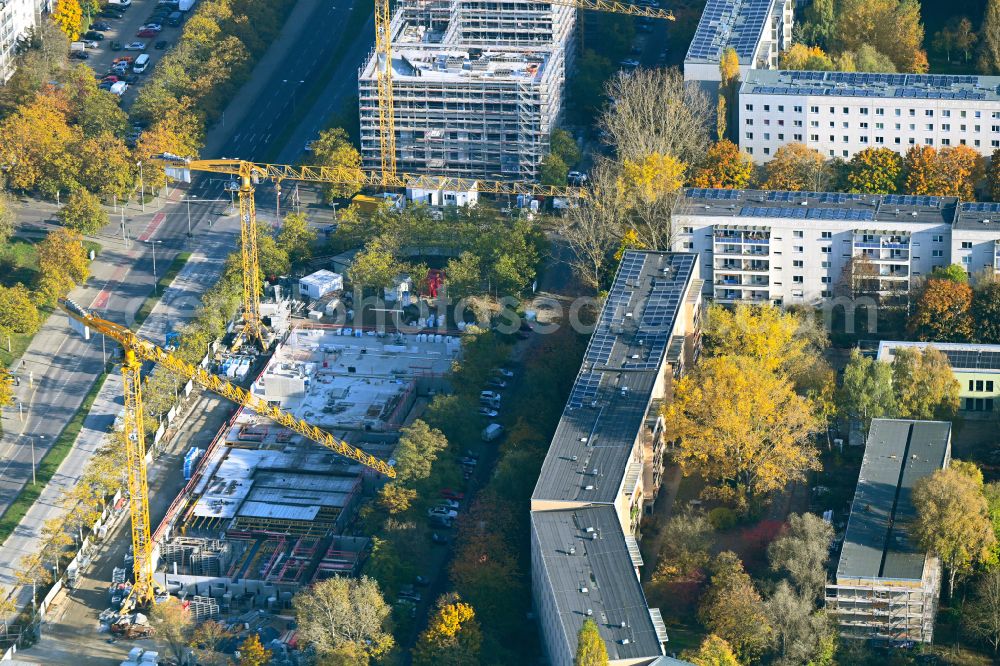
{"x": 448, "y": 493}
{"x": 147, "y": 33}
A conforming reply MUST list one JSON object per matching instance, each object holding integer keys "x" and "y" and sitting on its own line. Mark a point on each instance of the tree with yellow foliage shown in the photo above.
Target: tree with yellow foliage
{"x": 651, "y": 187}
{"x": 334, "y": 149}
{"x": 729, "y": 67}
{"x": 590, "y": 647}
{"x": 714, "y": 651}
{"x": 62, "y": 263}
{"x": 802, "y": 57}
{"x": 796, "y": 166}
{"x": 452, "y": 637}
{"x": 742, "y": 427}
{"x": 951, "y": 171}
{"x": 725, "y": 167}
{"x": 875, "y": 170}
{"x": 892, "y": 27}
{"x": 39, "y": 146}
{"x": 764, "y": 333}
{"x": 176, "y": 131}
{"x": 67, "y": 15}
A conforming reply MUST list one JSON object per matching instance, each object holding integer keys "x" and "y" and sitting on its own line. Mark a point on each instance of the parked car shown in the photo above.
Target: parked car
{"x": 110, "y": 12}
{"x": 80, "y": 55}
{"x": 100, "y": 26}
{"x": 93, "y": 35}
{"x": 504, "y": 372}
{"x": 496, "y": 382}
{"x": 146, "y": 33}
{"x": 422, "y": 581}
{"x": 407, "y": 592}
{"x": 448, "y": 493}
{"x": 468, "y": 462}
{"x": 449, "y": 504}
{"x": 442, "y": 511}
{"x": 442, "y": 521}
{"x": 106, "y": 85}
{"x": 110, "y": 77}
{"x": 135, "y": 46}
{"x": 116, "y": 46}
{"x": 152, "y": 26}
{"x": 175, "y": 18}
{"x": 576, "y": 179}
{"x": 439, "y": 539}
{"x": 489, "y": 395}
{"x": 630, "y": 63}
{"x": 119, "y": 88}
{"x": 488, "y": 413}
{"x": 160, "y": 45}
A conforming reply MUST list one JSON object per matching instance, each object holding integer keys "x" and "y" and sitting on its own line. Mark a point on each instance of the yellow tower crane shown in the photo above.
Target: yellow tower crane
{"x": 383, "y": 64}
{"x": 138, "y": 350}
{"x": 251, "y": 173}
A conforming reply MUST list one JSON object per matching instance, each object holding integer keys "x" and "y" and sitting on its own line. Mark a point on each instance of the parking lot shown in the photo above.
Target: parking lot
{"x": 124, "y": 31}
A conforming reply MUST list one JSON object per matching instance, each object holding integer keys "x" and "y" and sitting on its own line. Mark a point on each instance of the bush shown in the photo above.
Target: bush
{"x": 722, "y": 518}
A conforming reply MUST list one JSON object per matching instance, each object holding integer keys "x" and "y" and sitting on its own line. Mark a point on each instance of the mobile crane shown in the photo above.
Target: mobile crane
{"x": 138, "y": 350}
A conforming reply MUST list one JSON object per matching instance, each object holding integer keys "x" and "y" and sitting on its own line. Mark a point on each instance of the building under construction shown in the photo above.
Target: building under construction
{"x": 886, "y": 587}
{"x": 477, "y": 87}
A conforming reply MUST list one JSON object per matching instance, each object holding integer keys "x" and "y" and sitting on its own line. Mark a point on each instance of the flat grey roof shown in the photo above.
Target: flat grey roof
{"x": 862, "y": 84}
{"x": 978, "y": 216}
{"x": 729, "y": 23}
{"x": 961, "y": 356}
{"x": 889, "y": 209}
{"x": 585, "y": 548}
{"x": 613, "y": 389}
{"x": 898, "y": 453}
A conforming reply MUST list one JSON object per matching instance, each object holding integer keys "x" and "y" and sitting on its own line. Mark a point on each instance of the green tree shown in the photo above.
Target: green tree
{"x": 343, "y": 612}
{"x": 553, "y": 170}
{"x": 924, "y": 384}
{"x": 107, "y": 167}
{"x": 989, "y": 51}
{"x": 687, "y": 537}
{"x": 733, "y": 610}
{"x": 83, "y": 212}
{"x": 953, "y": 519}
{"x": 986, "y": 312}
{"x": 7, "y": 218}
{"x": 333, "y": 149}
{"x": 418, "y": 448}
{"x": 953, "y": 272}
{"x": 590, "y": 648}
{"x": 395, "y": 498}
{"x": 452, "y": 637}
{"x": 820, "y": 23}
{"x": 799, "y": 632}
{"x": 18, "y": 312}
{"x": 297, "y": 238}
{"x": 803, "y": 550}
{"x": 252, "y": 653}
{"x": 463, "y": 276}
{"x": 563, "y": 145}
{"x": 375, "y": 266}
{"x": 867, "y": 391}
{"x": 876, "y": 170}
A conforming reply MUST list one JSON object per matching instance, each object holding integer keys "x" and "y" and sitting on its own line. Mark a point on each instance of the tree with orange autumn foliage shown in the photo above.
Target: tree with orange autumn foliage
{"x": 802, "y": 57}
{"x": 951, "y": 171}
{"x": 942, "y": 312}
{"x": 796, "y": 166}
{"x": 725, "y": 166}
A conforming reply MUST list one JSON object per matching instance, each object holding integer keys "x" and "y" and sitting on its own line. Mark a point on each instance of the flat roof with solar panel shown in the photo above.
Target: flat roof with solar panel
{"x": 978, "y": 216}
{"x": 888, "y": 208}
{"x": 589, "y": 454}
{"x": 962, "y": 356}
{"x": 729, "y": 23}
{"x": 863, "y": 84}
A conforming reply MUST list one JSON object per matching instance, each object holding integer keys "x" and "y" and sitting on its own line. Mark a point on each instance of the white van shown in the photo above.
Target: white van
{"x": 140, "y": 64}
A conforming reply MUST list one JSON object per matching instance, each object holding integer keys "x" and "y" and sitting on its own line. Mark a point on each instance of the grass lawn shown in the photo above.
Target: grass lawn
{"x": 49, "y": 463}
{"x": 147, "y": 306}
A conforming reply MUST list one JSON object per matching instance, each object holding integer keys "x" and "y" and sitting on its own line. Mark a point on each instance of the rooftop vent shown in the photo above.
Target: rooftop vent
{"x": 589, "y": 530}
{"x": 590, "y": 612}
{"x": 583, "y": 439}
{"x": 625, "y": 641}
{"x": 572, "y": 550}
{"x": 588, "y": 487}
{"x": 584, "y": 590}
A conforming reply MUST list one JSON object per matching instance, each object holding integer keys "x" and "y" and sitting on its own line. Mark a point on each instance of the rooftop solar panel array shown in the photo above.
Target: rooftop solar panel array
{"x": 969, "y": 359}
{"x": 820, "y": 197}
{"x": 724, "y": 23}
{"x": 864, "y": 84}
{"x": 585, "y": 389}
{"x": 808, "y": 213}
{"x": 712, "y": 195}
{"x": 980, "y": 208}
{"x": 911, "y": 200}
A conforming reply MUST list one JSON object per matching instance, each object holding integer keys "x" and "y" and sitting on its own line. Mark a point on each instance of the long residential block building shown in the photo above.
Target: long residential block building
{"x": 606, "y": 460}
{"x": 17, "y": 19}
{"x": 758, "y": 30}
{"x": 796, "y": 247}
{"x": 976, "y": 368}
{"x": 842, "y": 113}
{"x": 886, "y": 588}
{"x": 478, "y": 87}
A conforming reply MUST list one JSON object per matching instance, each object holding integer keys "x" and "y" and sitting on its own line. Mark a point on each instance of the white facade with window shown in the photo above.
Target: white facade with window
{"x": 758, "y": 30}
{"x": 793, "y": 247}
{"x": 17, "y": 17}
{"x": 842, "y": 113}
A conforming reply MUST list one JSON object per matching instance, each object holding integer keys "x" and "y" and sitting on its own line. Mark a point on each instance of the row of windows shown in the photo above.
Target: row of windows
{"x": 945, "y": 127}
{"x": 979, "y": 385}
{"x": 979, "y": 404}
{"x": 880, "y": 111}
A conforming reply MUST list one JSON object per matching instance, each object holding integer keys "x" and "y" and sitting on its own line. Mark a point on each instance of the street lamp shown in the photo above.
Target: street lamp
{"x": 31, "y": 438}
{"x": 153, "y": 244}
{"x": 142, "y": 188}
{"x": 190, "y": 197}
{"x": 294, "y": 88}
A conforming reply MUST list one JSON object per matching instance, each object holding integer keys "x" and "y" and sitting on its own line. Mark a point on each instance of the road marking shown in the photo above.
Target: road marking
{"x": 267, "y": 138}
{"x": 152, "y": 226}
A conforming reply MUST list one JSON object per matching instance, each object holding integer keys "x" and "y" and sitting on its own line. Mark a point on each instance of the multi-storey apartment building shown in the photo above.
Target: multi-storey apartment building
{"x": 478, "y": 87}
{"x": 17, "y": 18}
{"x": 842, "y": 113}
{"x": 886, "y": 588}
{"x": 604, "y": 465}
{"x": 758, "y": 30}
{"x": 798, "y": 247}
